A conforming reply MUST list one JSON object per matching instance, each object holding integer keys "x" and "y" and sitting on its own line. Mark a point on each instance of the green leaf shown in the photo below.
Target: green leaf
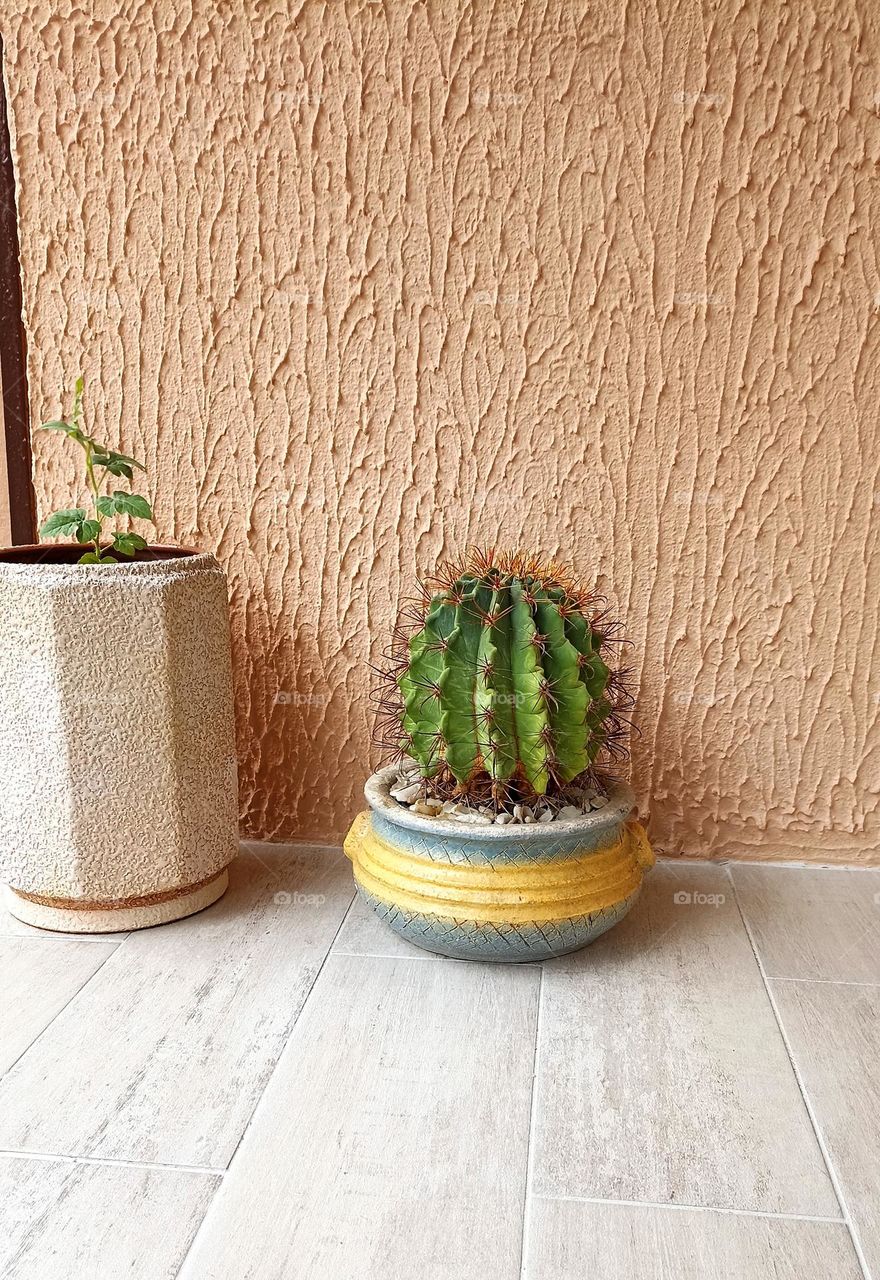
{"x": 88, "y": 531}
{"x": 92, "y": 557}
{"x": 132, "y": 504}
{"x": 127, "y": 459}
{"x": 128, "y": 543}
{"x": 117, "y": 467}
{"x": 118, "y": 464}
{"x": 69, "y": 430}
{"x": 65, "y": 524}
{"x": 77, "y": 401}
{"x": 125, "y": 504}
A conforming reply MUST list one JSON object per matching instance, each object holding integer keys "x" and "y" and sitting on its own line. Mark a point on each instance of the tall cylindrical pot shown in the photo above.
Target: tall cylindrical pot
{"x": 118, "y": 792}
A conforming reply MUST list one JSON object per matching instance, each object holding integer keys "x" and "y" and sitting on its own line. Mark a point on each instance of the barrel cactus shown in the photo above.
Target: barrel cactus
{"x": 498, "y": 684}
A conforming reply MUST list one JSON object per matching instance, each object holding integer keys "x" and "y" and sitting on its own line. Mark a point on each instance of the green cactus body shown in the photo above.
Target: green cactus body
{"x": 505, "y": 682}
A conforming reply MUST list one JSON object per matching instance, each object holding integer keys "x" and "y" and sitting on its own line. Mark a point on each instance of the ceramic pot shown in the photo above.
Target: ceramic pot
{"x": 118, "y": 803}
{"x": 494, "y": 892}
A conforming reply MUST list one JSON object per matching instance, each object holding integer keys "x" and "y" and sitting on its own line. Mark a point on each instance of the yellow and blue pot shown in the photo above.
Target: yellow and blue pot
{"x": 494, "y": 892}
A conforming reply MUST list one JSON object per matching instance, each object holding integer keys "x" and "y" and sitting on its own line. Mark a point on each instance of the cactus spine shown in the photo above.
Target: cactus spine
{"x": 503, "y": 680}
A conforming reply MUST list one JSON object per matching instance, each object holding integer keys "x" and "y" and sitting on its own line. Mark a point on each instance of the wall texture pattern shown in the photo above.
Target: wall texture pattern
{"x": 367, "y": 282}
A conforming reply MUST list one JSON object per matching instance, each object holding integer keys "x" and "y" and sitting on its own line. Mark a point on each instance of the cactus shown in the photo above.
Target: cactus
{"x": 499, "y": 685}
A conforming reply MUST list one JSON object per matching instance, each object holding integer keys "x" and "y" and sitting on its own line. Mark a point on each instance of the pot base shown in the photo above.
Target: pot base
{"x": 498, "y": 942}
{"x": 69, "y": 918}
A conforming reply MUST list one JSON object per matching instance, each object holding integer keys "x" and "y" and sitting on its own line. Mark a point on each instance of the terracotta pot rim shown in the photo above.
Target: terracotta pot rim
{"x": 54, "y": 572}
{"x": 51, "y": 555}
{"x": 621, "y": 803}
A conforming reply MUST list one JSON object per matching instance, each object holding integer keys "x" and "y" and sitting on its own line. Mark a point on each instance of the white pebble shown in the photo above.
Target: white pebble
{"x": 503, "y": 819}
{"x": 407, "y": 793}
{"x": 569, "y": 811}
{"x": 546, "y": 816}
{"x": 529, "y": 818}
{"x": 427, "y": 807}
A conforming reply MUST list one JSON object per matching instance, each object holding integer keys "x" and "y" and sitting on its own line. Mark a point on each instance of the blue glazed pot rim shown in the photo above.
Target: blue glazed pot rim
{"x": 621, "y": 802}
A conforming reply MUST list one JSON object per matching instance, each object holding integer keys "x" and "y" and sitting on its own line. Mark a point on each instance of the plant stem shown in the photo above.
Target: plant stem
{"x": 95, "y": 488}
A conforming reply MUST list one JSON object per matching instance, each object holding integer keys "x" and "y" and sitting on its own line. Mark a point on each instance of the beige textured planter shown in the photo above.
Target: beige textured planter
{"x": 118, "y": 803}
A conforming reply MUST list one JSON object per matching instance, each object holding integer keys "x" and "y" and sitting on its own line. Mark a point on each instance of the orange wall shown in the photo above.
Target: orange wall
{"x": 373, "y": 281}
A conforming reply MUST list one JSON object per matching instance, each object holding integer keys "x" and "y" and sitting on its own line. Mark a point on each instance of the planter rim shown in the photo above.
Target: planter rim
{"x": 172, "y": 562}
{"x": 377, "y": 791}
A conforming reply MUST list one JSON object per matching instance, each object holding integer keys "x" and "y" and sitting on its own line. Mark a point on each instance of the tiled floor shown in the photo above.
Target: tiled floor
{"x": 279, "y": 1088}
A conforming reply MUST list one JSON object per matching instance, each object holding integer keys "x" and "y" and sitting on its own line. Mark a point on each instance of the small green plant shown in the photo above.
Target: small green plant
{"x": 87, "y": 527}
{"x": 496, "y": 683}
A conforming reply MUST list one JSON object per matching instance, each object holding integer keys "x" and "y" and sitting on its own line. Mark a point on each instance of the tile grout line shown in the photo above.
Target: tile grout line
{"x": 826, "y": 1155}
{"x": 386, "y": 955}
{"x": 525, "y": 1236}
{"x": 269, "y": 1078}
{"x": 824, "y": 982}
{"x": 296, "y": 845}
{"x": 59, "y": 1012}
{"x": 782, "y": 864}
{"x": 53, "y": 936}
{"x": 693, "y": 1208}
{"x": 59, "y": 1157}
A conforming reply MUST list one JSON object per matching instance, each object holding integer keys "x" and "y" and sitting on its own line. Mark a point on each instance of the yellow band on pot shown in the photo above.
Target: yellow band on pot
{"x": 513, "y": 892}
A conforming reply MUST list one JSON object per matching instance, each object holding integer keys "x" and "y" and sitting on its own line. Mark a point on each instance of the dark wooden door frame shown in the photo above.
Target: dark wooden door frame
{"x": 13, "y": 350}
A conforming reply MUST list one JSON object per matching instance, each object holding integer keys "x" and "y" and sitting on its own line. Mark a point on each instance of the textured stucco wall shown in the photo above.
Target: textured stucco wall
{"x": 366, "y": 282}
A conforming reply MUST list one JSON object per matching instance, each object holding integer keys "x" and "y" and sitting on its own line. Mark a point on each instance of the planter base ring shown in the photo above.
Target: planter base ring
{"x": 109, "y": 917}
